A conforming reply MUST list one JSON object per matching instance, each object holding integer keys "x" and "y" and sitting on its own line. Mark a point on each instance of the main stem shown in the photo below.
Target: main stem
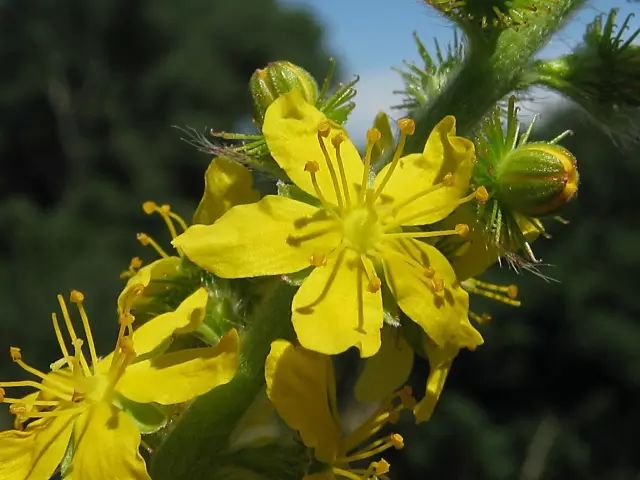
{"x": 193, "y": 448}
{"x": 494, "y": 67}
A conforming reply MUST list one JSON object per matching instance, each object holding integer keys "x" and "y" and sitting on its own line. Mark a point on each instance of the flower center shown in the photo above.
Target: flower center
{"x": 361, "y": 229}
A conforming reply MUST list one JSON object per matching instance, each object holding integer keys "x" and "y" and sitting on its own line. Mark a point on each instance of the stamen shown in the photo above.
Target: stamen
{"x": 435, "y": 284}
{"x": 460, "y": 229}
{"x": 339, "y": 472}
{"x": 374, "y": 281}
{"x": 145, "y": 240}
{"x": 480, "y": 194}
{"x": 324, "y": 129}
{"x": 16, "y": 356}
{"x": 373, "y": 135}
{"x": 77, "y": 298}
{"x": 40, "y": 387}
{"x": 72, "y": 333}
{"x": 150, "y": 207}
{"x": 336, "y": 142}
{"x": 59, "y": 337}
{"x": 394, "y": 440}
{"x": 506, "y": 294}
{"x": 407, "y": 127}
{"x": 134, "y": 266}
{"x": 481, "y": 319}
{"x": 447, "y": 181}
{"x": 313, "y": 167}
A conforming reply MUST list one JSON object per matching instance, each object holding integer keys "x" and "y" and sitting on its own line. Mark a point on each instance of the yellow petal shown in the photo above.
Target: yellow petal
{"x": 298, "y": 386}
{"x": 443, "y": 153}
{"x": 226, "y": 184}
{"x": 183, "y": 375}
{"x": 291, "y": 130}
{"x": 34, "y": 454}
{"x": 439, "y": 365}
{"x": 387, "y": 370}
{"x": 187, "y": 317}
{"x": 443, "y": 315}
{"x": 274, "y": 236}
{"x": 333, "y": 310}
{"x": 106, "y": 446}
{"x": 158, "y": 270}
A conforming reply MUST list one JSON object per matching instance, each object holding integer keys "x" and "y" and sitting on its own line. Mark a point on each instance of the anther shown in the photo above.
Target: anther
{"x": 76, "y": 296}
{"x": 462, "y": 229}
{"x": 318, "y": 259}
{"x": 77, "y": 397}
{"x": 324, "y": 128}
{"x": 16, "y": 354}
{"x": 429, "y": 272}
{"x": 448, "y": 180}
{"x": 136, "y": 263}
{"x": 17, "y": 409}
{"x": 397, "y": 441}
{"x": 149, "y": 207}
{"x": 512, "y": 291}
{"x": 126, "y": 345}
{"x": 311, "y": 167}
{"x": 435, "y": 284}
{"x": 374, "y": 285}
{"x": 2, "y": 393}
{"x": 126, "y": 319}
{"x": 482, "y": 195}
{"x": 373, "y": 135}
{"x": 337, "y": 140}
{"x": 381, "y": 467}
{"x": 144, "y": 239}
{"x": 165, "y": 209}
{"x": 407, "y": 126}
{"x": 406, "y": 397}
{"x": 393, "y": 417}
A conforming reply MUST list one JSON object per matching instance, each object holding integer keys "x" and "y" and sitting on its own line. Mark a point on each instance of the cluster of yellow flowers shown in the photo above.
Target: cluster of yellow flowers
{"x": 362, "y": 239}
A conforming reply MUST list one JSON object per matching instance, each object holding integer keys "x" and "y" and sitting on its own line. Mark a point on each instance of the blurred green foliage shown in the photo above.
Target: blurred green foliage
{"x": 89, "y": 92}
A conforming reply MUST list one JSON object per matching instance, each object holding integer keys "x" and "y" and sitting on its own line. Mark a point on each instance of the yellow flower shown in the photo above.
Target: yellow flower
{"x": 351, "y": 229}
{"x": 78, "y": 409}
{"x": 301, "y": 386}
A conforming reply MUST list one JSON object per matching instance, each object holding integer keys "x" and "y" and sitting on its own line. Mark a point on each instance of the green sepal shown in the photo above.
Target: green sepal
{"x": 148, "y": 417}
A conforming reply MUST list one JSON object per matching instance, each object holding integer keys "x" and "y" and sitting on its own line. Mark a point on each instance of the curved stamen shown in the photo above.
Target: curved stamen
{"x": 336, "y": 142}
{"x": 59, "y": 337}
{"x": 324, "y": 129}
{"x": 145, "y": 240}
{"x": 407, "y": 127}
{"x": 339, "y": 472}
{"x": 394, "y": 440}
{"x": 313, "y": 167}
{"x": 164, "y": 211}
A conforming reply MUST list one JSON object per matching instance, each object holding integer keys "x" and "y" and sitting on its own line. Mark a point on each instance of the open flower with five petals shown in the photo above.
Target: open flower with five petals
{"x": 80, "y": 414}
{"x": 354, "y": 227}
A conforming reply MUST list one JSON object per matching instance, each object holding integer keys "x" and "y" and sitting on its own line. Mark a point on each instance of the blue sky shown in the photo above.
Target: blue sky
{"x": 370, "y": 36}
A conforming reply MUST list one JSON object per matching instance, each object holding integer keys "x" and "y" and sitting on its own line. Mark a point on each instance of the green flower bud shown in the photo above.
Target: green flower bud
{"x": 536, "y": 178}
{"x": 276, "y": 79}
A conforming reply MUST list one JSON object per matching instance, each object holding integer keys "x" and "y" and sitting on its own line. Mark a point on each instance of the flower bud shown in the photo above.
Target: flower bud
{"x": 276, "y": 79}
{"x": 537, "y": 178}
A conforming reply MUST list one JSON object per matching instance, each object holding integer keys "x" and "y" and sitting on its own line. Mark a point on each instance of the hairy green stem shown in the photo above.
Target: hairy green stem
{"x": 495, "y": 65}
{"x": 193, "y": 448}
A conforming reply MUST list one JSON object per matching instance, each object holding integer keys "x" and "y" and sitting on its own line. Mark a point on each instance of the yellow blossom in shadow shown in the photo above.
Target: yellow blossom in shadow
{"x": 78, "y": 408}
{"x": 358, "y": 226}
{"x": 301, "y": 386}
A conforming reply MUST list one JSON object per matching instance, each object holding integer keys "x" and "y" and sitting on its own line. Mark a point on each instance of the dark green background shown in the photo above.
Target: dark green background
{"x": 88, "y": 94}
